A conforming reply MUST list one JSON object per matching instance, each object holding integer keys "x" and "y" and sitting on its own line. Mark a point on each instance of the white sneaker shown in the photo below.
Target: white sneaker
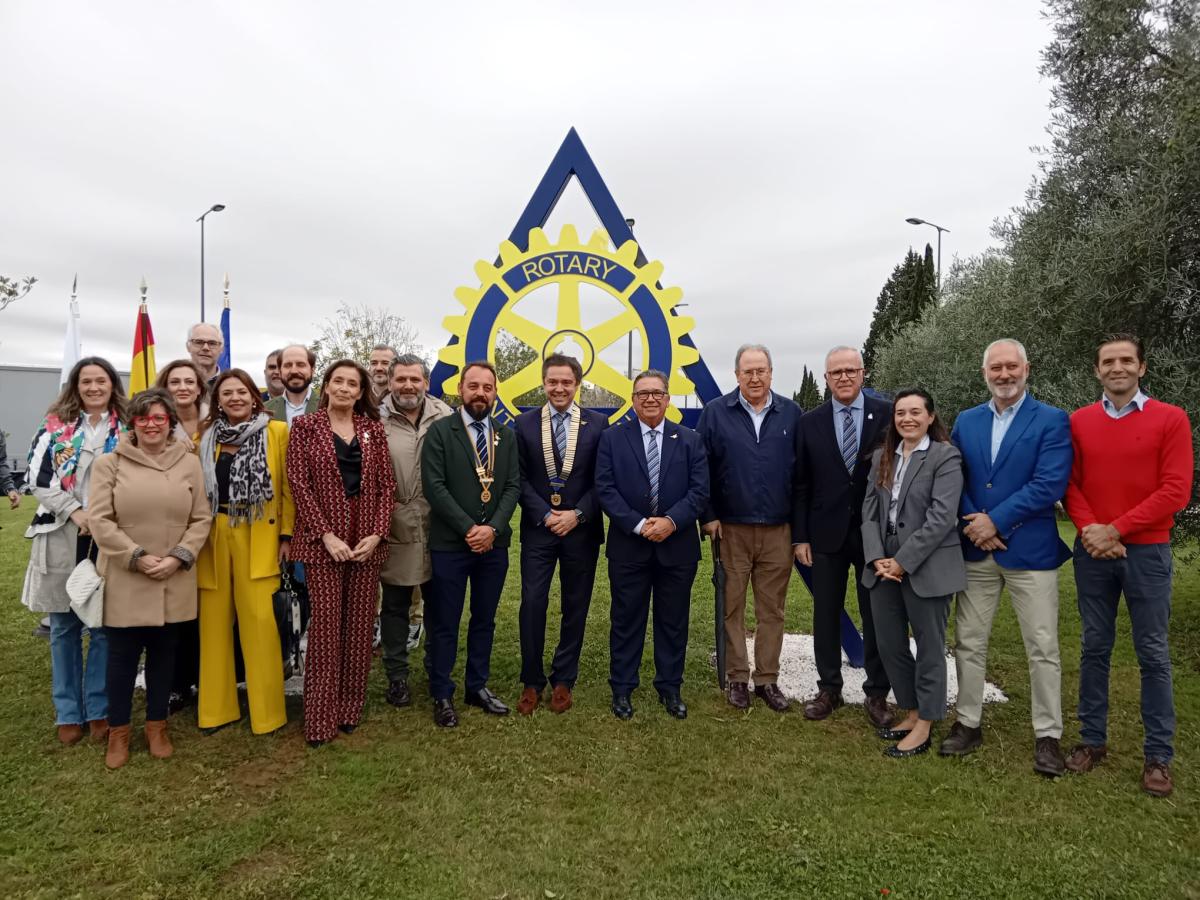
{"x": 377, "y": 637}
{"x": 414, "y": 635}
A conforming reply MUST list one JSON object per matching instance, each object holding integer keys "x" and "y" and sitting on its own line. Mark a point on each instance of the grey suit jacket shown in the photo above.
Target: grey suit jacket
{"x": 926, "y": 521}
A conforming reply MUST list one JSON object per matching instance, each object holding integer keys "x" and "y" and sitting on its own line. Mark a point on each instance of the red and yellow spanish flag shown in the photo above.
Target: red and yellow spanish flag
{"x": 142, "y": 371}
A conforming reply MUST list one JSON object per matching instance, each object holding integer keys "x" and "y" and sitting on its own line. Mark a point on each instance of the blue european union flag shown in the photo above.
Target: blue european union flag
{"x": 223, "y": 362}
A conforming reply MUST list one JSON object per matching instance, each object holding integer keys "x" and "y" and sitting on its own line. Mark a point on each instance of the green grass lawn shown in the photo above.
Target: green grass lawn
{"x": 726, "y": 804}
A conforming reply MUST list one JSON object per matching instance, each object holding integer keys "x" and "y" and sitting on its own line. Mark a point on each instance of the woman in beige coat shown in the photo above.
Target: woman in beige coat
{"x": 149, "y": 517}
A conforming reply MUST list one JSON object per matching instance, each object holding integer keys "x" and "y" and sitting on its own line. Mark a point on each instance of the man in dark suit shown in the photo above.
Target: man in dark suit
{"x": 832, "y": 465}
{"x": 560, "y": 525}
{"x": 471, "y": 479}
{"x": 652, "y": 481}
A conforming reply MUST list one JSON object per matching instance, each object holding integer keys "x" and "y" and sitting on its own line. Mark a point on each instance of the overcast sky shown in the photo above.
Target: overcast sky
{"x": 372, "y": 152}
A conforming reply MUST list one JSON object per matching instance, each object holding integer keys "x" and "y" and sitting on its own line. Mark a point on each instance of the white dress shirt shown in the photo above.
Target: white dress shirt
{"x": 898, "y": 476}
{"x": 756, "y": 415}
{"x": 645, "y": 430}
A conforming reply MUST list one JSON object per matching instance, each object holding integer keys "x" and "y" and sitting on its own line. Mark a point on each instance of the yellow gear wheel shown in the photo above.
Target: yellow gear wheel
{"x": 648, "y": 311}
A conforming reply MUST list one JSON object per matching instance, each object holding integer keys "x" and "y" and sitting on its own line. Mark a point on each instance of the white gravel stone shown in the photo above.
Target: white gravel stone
{"x": 798, "y": 673}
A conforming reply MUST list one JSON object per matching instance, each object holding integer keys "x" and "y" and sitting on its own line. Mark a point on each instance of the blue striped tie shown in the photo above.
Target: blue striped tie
{"x": 481, "y": 444}
{"x": 560, "y": 434}
{"x": 849, "y": 441}
{"x": 652, "y": 468}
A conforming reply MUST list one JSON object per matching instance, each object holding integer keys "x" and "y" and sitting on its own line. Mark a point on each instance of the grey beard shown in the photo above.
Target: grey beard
{"x": 407, "y": 401}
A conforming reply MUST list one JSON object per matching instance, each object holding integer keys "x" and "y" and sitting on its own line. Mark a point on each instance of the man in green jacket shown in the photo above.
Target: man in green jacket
{"x": 471, "y": 479}
{"x": 296, "y": 363}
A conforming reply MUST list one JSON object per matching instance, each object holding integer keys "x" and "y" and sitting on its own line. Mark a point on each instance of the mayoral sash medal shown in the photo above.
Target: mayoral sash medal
{"x": 558, "y": 478}
{"x": 484, "y": 471}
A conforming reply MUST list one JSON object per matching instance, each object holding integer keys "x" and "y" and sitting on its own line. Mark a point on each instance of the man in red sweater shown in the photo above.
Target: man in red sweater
{"x": 1132, "y": 472}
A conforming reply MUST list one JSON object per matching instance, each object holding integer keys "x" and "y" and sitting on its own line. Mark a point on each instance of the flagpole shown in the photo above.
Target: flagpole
{"x": 226, "y": 360}
{"x": 72, "y": 349}
{"x": 142, "y": 310}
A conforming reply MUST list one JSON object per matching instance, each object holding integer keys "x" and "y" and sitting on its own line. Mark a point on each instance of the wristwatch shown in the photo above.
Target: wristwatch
{"x": 580, "y": 516}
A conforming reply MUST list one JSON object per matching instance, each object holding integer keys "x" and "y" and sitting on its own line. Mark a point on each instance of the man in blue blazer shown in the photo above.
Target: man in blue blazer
{"x": 561, "y": 526}
{"x": 1017, "y": 455}
{"x": 652, "y": 481}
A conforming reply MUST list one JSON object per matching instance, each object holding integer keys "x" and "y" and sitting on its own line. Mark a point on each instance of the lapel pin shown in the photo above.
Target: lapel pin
{"x": 870, "y": 415}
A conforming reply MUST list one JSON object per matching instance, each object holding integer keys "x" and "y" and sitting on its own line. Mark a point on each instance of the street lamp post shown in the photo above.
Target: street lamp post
{"x": 913, "y": 220}
{"x": 216, "y": 207}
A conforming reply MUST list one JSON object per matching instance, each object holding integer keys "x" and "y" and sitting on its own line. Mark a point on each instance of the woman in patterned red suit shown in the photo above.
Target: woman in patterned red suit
{"x": 343, "y": 486}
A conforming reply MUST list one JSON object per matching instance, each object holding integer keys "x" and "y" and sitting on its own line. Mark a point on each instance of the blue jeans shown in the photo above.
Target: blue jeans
{"x": 80, "y": 692}
{"x": 1145, "y": 578}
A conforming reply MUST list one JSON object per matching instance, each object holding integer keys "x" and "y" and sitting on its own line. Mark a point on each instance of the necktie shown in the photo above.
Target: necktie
{"x": 652, "y": 467}
{"x": 481, "y": 444}
{"x": 560, "y": 434}
{"x": 849, "y": 441}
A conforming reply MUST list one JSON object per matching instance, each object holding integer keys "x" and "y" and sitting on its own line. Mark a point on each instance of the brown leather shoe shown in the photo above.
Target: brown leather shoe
{"x": 1156, "y": 779}
{"x": 98, "y": 729}
{"x": 156, "y": 737}
{"x": 70, "y": 734}
{"x": 738, "y": 694}
{"x": 771, "y": 695}
{"x": 822, "y": 705}
{"x": 530, "y": 698}
{"x": 1048, "y": 757}
{"x": 560, "y": 699}
{"x": 877, "y": 711}
{"x": 118, "y": 747}
{"x": 1085, "y": 757}
{"x": 961, "y": 740}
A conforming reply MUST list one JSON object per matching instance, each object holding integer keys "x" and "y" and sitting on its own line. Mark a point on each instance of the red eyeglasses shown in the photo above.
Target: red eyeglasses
{"x": 158, "y": 419}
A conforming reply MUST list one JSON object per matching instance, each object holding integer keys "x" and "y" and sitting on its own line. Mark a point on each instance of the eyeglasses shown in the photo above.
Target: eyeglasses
{"x": 159, "y": 419}
{"x": 197, "y": 342}
{"x": 649, "y": 395}
{"x": 839, "y": 374}
{"x": 756, "y": 373}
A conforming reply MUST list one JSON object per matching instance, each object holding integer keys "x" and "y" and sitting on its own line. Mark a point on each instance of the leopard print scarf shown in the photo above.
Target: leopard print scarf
{"x": 249, "y": 477}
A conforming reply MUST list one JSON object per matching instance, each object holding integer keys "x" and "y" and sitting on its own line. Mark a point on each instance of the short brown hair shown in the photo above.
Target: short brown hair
{"x": 365, "y": 405}
{"x": 143, "y": 400}
{"x": 561, "y": 359}
{"x": 478, "y": 364}
{"x": 312, "y": 356}
{"x": 214, "y": 408}
{"x": 1122, "y": 337}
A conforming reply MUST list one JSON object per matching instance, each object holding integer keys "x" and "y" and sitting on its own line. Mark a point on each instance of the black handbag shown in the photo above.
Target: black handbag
{"x": 291, "y": 606}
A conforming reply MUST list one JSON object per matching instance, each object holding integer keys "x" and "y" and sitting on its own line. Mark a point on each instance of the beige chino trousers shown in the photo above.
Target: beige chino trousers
{"x": 758, "y": 555}
{"x": 1034, "y": 596}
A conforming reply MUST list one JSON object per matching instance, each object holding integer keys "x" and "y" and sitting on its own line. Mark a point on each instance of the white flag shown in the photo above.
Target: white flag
{"x": 72, "y": 346}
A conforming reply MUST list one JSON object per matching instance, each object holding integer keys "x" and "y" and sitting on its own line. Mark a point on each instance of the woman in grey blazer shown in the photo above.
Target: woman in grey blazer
{"x": 914, "y": 561}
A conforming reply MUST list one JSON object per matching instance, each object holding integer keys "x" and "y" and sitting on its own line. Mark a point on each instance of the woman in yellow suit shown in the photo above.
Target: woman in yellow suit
{"x": 244, "y": 457}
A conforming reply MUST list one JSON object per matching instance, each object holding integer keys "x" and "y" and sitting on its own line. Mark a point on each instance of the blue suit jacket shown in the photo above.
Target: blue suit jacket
{"x": 1020, "y": 489}
{"x": 623, "y": 486}
{"x": 579, "y": 492}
